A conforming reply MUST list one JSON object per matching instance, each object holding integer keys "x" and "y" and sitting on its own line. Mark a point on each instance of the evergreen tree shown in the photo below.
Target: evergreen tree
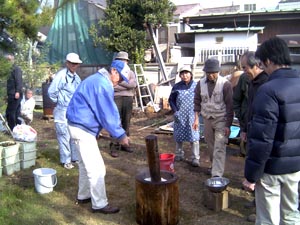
{"x": 125, "y": 25}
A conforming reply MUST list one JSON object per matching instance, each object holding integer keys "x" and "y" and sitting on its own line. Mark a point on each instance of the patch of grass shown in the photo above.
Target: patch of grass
{"x": 21, "y": 204}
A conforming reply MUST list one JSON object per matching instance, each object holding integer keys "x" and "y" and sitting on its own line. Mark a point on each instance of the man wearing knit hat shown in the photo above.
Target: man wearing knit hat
{"x": 123, "y": 96}
{"x": 91, "y": 109}
{"x": 213, "y": 99}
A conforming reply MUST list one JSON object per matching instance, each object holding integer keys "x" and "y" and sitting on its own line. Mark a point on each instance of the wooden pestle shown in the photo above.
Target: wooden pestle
{"x": 153, "y": 158}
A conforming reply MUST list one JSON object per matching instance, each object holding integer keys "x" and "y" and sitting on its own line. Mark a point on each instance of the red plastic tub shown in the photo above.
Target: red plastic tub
{"x": 167, "y": 161}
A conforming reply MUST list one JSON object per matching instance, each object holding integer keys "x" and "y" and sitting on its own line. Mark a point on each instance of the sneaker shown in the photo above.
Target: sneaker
{"x": 195, "y": 163}
{"x": 126, "y": 149}
{"x": 83, "y": 201}
{"x": 68, "y": 166}
{"x": 114, "y": 153}
{"x": 107, "y": 210}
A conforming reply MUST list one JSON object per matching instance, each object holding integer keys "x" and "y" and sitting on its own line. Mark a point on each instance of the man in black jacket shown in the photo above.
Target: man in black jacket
{"x": 251, "y": 66}
{"x": 272, "y": 165}
{"x": 14, "y": 93}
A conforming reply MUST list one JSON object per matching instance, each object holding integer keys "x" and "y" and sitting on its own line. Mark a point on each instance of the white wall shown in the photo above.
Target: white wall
{"x": 267, "y": 4}
{"x": 229, "y": 40}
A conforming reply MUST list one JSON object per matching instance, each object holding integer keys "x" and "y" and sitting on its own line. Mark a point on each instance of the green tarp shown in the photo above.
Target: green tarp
{"x": 70, "y": 33}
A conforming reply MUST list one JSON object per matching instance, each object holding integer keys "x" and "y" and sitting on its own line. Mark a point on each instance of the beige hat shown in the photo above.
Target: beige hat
{"x": 122, "y": 55}
{"x": 185, "y": 68}
{"x": 73, "y": 58}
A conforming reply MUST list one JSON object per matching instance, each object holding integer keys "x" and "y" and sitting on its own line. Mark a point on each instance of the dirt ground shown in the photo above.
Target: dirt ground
{"x": 121, "y": 173}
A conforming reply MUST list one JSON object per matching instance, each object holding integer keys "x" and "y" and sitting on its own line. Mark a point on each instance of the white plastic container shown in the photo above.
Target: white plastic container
{"x": 44, "y": 180}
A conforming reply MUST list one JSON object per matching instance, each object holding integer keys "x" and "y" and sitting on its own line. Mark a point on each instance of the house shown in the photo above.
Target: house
{"x": 230, "y": 25}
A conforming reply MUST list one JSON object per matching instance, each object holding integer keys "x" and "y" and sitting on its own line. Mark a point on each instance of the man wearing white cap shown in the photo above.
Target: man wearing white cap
{"x": 60, "y": 92}
{"x": 91, "y": 109}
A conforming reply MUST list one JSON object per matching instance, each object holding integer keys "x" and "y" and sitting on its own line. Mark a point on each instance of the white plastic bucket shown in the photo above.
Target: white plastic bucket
{"x": 44, "y": 180}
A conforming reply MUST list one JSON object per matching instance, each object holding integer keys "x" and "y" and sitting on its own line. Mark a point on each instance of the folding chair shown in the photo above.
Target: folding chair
{"x": 6, "y": 125}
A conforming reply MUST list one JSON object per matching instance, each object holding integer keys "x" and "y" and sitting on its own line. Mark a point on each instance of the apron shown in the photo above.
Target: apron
{"x": 183, "y": 130}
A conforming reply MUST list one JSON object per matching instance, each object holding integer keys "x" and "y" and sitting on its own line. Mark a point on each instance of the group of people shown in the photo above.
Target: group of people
{"x": 19, "y": 106}
{"x": 211, "y": 97}
{"x": 103, "y": 100}
{"x": 265, "y": 101}
{"x": 269, "y": 121}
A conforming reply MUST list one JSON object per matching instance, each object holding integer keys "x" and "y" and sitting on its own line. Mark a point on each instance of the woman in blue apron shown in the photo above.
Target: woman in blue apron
{"x": 182, "y": 103}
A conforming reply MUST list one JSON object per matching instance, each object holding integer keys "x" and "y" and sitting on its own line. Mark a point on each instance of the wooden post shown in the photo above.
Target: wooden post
{"x": 157, "y": 203}
{"x": 216, "y": 201}
{"x": 153, "y": 158}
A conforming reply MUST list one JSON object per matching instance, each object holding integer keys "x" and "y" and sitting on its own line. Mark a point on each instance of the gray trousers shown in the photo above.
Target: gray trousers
{"x": 276, "y": 198}
{"x": 216, "y": 140}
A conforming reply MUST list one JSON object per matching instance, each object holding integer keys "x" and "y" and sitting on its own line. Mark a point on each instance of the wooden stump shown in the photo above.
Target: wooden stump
{"x": 157, "y": 202}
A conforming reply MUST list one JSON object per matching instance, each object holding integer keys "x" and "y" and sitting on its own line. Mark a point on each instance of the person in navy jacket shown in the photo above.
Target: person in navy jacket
{"x": 272, "y": 167}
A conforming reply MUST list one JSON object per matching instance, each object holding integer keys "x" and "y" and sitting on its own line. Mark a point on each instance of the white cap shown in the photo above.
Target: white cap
{"x": 185, "y": 68}
{"x": 73, "y": 58}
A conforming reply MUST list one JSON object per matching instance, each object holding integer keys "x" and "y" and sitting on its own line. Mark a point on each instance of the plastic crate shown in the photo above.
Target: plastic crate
{"x": 9, "y": 148}
{"x": 10, "y": 169}
{"x": 28, "y": 155}
{"x": 27, "y": 146}
{"x": 27, "y": 163}
{"x": 1, "y": 148}
{"x": 10, "y": 160}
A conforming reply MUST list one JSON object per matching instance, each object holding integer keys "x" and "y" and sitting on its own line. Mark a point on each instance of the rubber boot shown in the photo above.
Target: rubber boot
{"x": 179, "y": 152}
{"x": 196, "y": 153}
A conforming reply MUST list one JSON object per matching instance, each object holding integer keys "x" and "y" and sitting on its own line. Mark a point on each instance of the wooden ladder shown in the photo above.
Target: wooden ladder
{"x": 144, "y": 94}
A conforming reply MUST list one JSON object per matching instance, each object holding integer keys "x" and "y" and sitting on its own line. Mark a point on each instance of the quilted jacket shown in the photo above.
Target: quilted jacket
{"x": 274, "y": 132}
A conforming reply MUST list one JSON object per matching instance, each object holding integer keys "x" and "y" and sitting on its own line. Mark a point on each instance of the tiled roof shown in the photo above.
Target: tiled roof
{"x": 180, "y": 9}
{"x": 225, "y": 9}
{"x": 288, "y": 1}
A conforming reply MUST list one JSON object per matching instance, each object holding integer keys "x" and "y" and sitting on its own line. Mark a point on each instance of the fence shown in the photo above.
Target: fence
{"x": 224, "y": 54}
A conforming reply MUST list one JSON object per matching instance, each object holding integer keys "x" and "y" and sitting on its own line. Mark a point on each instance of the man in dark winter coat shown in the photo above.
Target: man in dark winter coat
{"x": 272, "y": 165}
{"x": 257, "y": 77}
{"x": 240, "y": 106}
{"x": 14, "y": 93}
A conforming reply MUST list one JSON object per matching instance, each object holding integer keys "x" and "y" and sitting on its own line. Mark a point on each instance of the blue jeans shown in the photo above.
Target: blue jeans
{"x": 67, "y": 148}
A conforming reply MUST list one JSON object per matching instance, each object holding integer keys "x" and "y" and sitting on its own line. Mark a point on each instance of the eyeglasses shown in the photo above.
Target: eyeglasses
{"x": 74, "y": 64}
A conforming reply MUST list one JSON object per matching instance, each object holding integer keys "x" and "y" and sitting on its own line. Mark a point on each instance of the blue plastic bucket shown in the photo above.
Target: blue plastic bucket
{"x": 234, "y": 131}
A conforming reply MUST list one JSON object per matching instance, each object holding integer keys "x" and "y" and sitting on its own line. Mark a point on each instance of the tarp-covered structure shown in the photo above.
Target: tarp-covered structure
{"x": 70, "y": 32}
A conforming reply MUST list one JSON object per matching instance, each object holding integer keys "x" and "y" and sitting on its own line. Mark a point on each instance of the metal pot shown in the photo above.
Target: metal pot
{"x": 217, "y": 184}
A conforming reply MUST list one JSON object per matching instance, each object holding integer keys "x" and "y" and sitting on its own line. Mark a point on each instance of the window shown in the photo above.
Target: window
{"x": 249, "y": 7}
{"x": 219, "y": 40}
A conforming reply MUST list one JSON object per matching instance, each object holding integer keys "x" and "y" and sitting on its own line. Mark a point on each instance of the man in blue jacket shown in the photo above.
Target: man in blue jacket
{"x": 91, "y": 109}
{"x": 272, "y": 166}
